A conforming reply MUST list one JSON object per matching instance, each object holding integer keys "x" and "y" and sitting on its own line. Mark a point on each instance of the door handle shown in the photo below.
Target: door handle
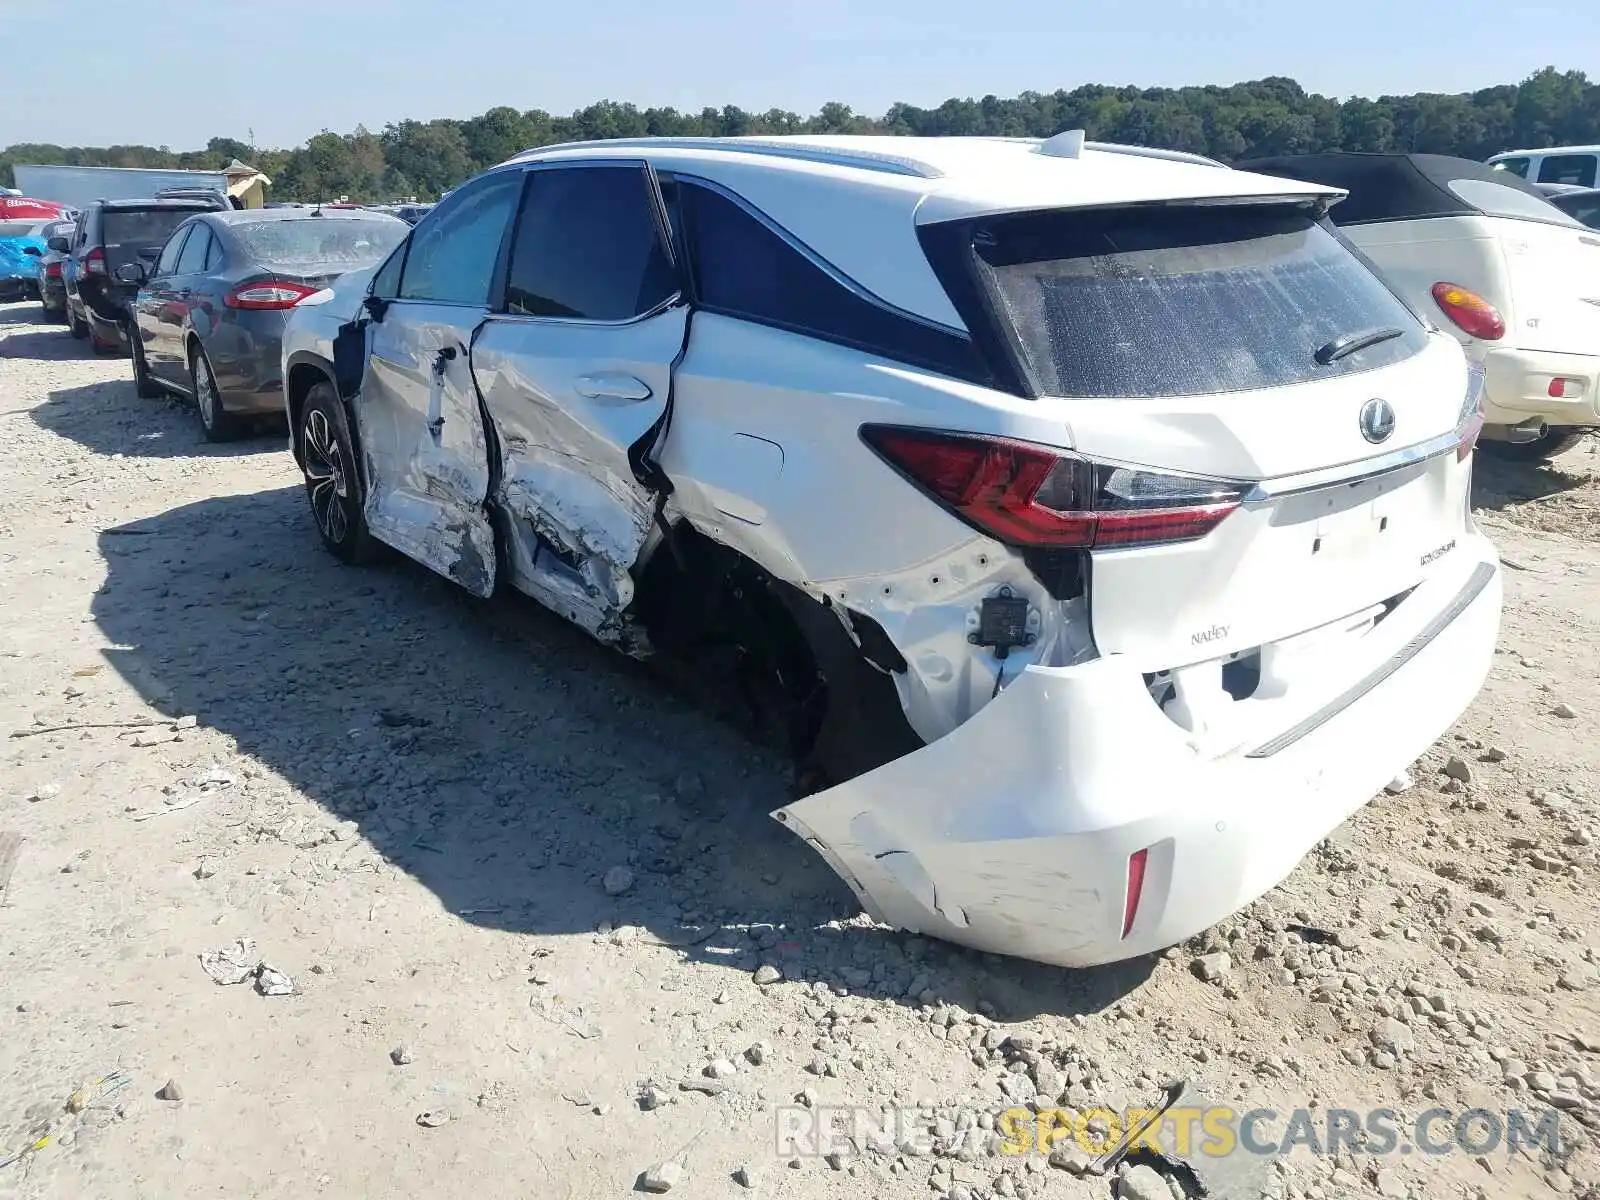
{"x": 605, "y": 386}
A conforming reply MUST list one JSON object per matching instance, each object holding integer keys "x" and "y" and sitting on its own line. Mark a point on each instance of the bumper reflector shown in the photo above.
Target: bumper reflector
{"x": 1130, "y": 904}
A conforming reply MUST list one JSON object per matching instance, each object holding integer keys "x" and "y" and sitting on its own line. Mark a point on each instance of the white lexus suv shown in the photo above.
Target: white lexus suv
{"x": 1091, "y": 519}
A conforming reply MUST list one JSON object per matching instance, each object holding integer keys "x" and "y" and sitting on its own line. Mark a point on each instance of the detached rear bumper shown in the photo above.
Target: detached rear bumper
{"x": 1013, "y": 833}
{"x": 1516, "y": 387}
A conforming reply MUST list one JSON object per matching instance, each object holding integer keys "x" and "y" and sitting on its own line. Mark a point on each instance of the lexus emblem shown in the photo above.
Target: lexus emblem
{"x": 1377, "y": 420}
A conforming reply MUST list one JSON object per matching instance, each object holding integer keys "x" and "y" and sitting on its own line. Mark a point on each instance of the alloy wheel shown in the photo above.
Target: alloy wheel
{"x": 205, "y": 390}
{"x": 327, "y": 477}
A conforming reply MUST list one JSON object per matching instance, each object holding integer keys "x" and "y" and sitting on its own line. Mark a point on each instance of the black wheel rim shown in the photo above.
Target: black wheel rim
{"x": 327, "y": 477}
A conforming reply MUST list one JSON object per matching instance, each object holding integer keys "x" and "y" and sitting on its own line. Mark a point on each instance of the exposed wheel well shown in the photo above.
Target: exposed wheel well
{"x": 302, "y": 377}
{"x": 717, "y": 613}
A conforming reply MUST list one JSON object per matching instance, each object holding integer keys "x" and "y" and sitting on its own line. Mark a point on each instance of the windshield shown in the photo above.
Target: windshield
{"x": 1185, "y": 301}
{"x": 1496, "y": 200}
{"x": 342, "y": 243}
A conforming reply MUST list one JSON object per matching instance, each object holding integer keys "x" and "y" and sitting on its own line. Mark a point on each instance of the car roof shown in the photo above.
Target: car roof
{"x": 179, "y": 204}
{"x": 262, "y": 216}
{"x": 955, "y": 176}
{"x": 1391, "y": 187}
{"x": 1545, "y": 150}
{"x": 853, "y": 201}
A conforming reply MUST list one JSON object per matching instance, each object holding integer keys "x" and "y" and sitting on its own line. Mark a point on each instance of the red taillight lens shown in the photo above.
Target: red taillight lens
{"x": 1130, "y": 903}
{"x": 1471, "y": 313}
{"x": 52, "y": 270}
{"x": 1029, "y": 495}
{"x": 271, "y": 293}
{"x": 94, "y": 262}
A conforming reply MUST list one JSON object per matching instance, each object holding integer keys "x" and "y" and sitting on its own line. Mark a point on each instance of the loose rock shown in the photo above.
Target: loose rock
{"x": 170, "y": 1091}
{"x": 766, "y": 974}
{"x": 617, "y": 881}
{"x": 662, "y": 1177}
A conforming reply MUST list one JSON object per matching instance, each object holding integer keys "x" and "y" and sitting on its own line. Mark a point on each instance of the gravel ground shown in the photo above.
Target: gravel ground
{"x": 541, "y": 938}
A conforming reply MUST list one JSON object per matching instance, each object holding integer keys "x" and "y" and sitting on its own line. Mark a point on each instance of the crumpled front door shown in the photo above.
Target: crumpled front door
{"x": 422, "y": 433}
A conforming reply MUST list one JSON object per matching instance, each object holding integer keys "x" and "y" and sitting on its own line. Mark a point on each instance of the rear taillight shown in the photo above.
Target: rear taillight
{"x": 94, "y": 262}
{"x": 1470, "y": 423}
{"x": 270, "y": 293}
{"x": 1029, "y": 495}
{"x": 1135, "y": 889}
{"x": 1564, "y": 388}
{"x": 1470, "y": 312}
{"x": 52, "y": 270}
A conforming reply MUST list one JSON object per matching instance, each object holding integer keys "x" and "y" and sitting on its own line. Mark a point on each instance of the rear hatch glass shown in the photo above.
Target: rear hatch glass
{"x": 1195, "y": 340}
{"x": 319, "y": 247}
{"x": 137, "y": 234}
{"x": 1185, "y": 301}
{"x": 1553, "y": 262}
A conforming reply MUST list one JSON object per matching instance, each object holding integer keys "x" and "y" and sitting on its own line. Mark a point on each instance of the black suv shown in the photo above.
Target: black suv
{"x": 111, "y": 233}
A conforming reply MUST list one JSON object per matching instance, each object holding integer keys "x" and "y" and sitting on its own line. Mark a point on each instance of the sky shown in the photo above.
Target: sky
{"x": 177, "y": 72}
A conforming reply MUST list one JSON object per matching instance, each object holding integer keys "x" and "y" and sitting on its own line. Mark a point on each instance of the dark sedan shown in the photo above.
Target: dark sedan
{"x": 209, "y": 318}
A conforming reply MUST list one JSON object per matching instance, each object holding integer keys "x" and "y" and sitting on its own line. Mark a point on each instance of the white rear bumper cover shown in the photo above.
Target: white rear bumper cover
{"x": 1013, "y": 833}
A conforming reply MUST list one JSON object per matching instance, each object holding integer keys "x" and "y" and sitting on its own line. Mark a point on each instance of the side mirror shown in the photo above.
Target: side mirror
{"x": 33, "y": 250}
{"x": 132, "y": 273}
{"x": 59, "y": 245}
{"x": 376, "y": 306}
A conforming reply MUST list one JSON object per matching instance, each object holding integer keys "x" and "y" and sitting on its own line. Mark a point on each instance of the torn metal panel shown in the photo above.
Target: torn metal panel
{"x": 424, "y": 444}
{"x": 929, "y": 613}
{"x": 568, "y": 401}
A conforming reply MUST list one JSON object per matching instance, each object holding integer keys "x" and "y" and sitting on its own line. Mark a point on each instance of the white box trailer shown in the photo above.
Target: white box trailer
{"x": 82, "y": 186}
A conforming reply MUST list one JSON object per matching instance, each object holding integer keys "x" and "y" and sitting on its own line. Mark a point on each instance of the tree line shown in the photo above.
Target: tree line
{"x": 1266, "y": 116}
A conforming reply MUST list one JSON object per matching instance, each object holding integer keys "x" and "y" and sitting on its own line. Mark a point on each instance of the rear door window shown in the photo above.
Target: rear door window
{"x": 1184, "y": 301}
{"x": 193, "y": 259}
{"x": 1577, "y": 169}
{"x": 168, "y": 262}
{"x": 589, "y": 246}
{"x": 744, "y": 267}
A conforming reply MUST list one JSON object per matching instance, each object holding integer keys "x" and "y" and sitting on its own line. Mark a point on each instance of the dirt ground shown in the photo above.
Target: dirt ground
{"x": 412, "y": 805}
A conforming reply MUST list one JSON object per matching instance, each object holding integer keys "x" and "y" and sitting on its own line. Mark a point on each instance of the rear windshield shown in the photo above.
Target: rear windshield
{"x": 11, "y": 229}
{"x": 311, "y": 241}
{"x": 142, "y": 227}
{"x": 1496, "y": 200}
{"x": 1184, "y": 301}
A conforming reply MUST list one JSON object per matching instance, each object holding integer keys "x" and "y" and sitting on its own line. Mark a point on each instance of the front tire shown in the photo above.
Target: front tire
{"x": 333, "y": 485}
{"x": 216, "y": 422}
{"x": 1557, "y": 439}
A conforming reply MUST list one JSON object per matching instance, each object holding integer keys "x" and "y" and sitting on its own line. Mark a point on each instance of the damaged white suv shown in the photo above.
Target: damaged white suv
{"x": 1093, "y": 519}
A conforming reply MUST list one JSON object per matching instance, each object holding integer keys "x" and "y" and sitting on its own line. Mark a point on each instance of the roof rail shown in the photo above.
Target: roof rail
{"x": 839, "y": 156}
{"x": 1182, "y": 156}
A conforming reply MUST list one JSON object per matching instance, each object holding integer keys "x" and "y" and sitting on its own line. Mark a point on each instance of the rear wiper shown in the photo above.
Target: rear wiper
{"x": 1350, "y": 343}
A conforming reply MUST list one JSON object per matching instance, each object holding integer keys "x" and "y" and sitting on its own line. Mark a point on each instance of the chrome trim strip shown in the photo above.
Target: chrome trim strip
{"x": 867, "y": 160}
{"x": 1479, "y": 580}
{"x": 1267, "y": 491}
